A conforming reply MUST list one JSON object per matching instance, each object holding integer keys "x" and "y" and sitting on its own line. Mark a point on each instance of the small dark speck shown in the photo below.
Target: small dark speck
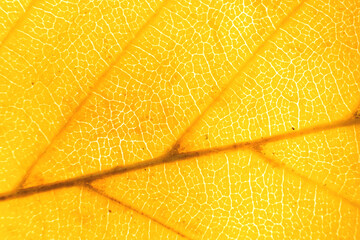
{"x": 32, "y": 83}
{"x": 206, "y": 137}
{"x": 144, "y": 169}
{"x": 357, "y": 114}
{"x": 293, "y": 128}
{"x": 110, "y": 211}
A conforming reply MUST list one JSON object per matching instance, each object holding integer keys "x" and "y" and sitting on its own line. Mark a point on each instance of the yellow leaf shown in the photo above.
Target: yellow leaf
{"x": 180, "y": 119}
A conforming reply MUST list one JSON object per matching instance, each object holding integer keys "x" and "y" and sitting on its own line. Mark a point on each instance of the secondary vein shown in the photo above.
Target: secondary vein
{"x": 18, "y": 22}
{"x": 244, "y": 66}
{"x": 100, "y": 79}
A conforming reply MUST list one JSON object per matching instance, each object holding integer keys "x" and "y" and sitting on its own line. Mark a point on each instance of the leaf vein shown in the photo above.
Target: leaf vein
{"x": 95, "y": 86}
{"x": 169, "y": 158}
{"x": 241, "y": 69}
{"x": 18, "y": 22}
{"x": 112, "y": 199}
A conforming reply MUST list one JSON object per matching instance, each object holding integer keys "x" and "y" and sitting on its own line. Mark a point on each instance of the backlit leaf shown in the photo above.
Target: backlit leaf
{"x": 179, "y": 119}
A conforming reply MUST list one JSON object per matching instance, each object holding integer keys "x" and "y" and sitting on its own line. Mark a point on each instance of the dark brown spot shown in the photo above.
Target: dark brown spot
{"x": 357, "y": 114}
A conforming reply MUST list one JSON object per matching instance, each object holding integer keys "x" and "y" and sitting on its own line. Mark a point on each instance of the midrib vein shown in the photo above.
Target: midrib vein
{"x": 175, "y": 157}
{"x": 105, "y": 195}
{"x": 18, "y": 22}
{"x": 100, "y": 79}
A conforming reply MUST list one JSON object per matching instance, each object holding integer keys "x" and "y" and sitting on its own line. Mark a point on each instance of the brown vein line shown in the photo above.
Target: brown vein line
{"x": 307, "y": 180}
{"x": 169, "y": 158}
{"x": 105, "y": 195}
{"x": 101, "y": 78}
{"x": 238, "y": 73}
{"x": 18, "y": 22}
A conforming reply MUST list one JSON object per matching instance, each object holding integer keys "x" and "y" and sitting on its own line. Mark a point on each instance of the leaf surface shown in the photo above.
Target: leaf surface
{"x": 195, "y": 119}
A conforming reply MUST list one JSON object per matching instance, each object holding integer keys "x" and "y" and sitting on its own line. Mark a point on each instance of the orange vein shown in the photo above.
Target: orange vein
{"x": 247, "y": 62}
{"x": 105, "y": 195}
{"x": 171, "y": 157}
{"x": 18, "y": 22}
{"x": 305, "y": 179}
{"x": 100, "y": 79}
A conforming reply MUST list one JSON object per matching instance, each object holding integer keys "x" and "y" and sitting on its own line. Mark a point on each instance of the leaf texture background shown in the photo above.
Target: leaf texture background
{"x": 179, "y": 119}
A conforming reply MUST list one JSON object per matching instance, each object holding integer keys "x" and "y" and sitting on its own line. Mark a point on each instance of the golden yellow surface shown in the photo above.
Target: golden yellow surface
{"x": 179, "y": 119}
